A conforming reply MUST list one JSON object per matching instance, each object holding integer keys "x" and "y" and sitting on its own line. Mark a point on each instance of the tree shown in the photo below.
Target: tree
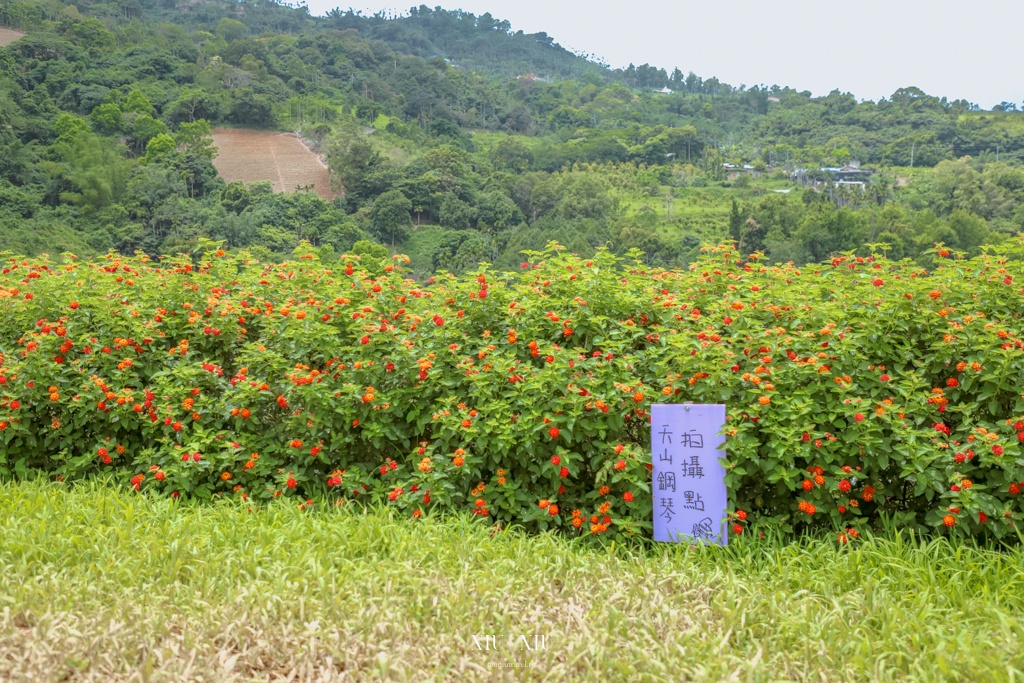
{"x": 458, "y": 251}
{"x": 144, "y": 129}
{"x": 160, "y": 146}
{"x": 391, "y": 217}
{"x": 138, "y": 103}
{"x": 736, "y": 224}
{"x": 251, "y": 109}
{"x": 353, "y": 158}
{"x": 495, "y": 210}
{"x": 231, "y": 29}
{"x": 196, "y": 138}
{"x": 511, "y": 154}
{"x": 106, "y": 118}
{"x": 88, "y": 171}
{"x": 456, "y": 214}
{"x": 193, "y": 104}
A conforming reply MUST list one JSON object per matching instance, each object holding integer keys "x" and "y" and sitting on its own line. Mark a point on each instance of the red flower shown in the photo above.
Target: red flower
{"x": 628, "y": 496}
{"x": 982, "y": 517}
{"x": 885, "y": 378}
{"x": 877, "y": 282}
{"x": 618, "y": 449}
{"x": 741, "y": 515}
{"x": 564, "y": 472}
{"x": 620, "y": 465}
{"x": 555, "y": 460}
{"x": 553, "y": 432}
{"x": 997, "y": 450}
{"x": 859, "y": 417}
{"x": 952, "y": 382}
{"x": 364, "y": 340}
{"x": 737, "y": 529}
{"x": 291, "y": 483}
{"x": 844, "y": 486}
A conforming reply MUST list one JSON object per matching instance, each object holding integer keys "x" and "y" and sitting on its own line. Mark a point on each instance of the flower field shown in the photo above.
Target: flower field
{"x": 857, "y": 390}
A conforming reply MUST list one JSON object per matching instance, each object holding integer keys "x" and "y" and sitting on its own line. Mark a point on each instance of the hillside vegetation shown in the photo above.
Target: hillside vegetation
{"x": 495, "y": 139}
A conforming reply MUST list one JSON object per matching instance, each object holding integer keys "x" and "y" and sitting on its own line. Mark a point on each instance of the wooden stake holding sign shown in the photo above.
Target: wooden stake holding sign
{"x": 688, "y": 480}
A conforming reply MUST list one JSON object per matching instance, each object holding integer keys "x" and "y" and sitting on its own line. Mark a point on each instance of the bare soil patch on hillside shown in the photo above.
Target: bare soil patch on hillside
{"x": 282, "y": 158}
{"x": 9, "y": 35}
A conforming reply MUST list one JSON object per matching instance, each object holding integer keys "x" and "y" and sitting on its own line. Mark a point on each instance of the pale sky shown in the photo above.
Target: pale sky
{"x": 960, "y": 49}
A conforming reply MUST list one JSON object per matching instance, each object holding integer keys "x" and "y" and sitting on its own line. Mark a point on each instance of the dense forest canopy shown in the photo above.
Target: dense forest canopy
{"x": 456, "y": 138}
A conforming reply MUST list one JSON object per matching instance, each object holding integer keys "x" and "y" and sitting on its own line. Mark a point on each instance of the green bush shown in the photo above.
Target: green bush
{"x": 856, "y": 389}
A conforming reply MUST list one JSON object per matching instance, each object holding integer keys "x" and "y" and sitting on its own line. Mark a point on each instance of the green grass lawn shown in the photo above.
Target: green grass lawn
{"x": 97, "y": 584}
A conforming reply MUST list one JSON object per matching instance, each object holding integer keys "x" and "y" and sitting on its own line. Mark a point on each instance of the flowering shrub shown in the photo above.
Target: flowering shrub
{"x": 855, "y": 388}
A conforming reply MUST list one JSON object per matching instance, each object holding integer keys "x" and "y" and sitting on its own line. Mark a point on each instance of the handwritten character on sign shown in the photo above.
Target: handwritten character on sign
{"x": 692, "y": 501}
{"x": 667, "y": 511}
{"x": 665, "y": 456}
{"x": 667, "y": 481}
{"x": 692, "y": 440}
{"x": 703, "y": 529}
{"x": 665, "y": 434}
{"x": 693, "y": 468}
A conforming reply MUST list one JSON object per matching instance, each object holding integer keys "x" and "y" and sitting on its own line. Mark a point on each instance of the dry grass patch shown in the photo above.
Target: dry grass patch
{"x": 9, "y": 35}
{"x": 281, "y": 158}
{"x": 96, "y": 585}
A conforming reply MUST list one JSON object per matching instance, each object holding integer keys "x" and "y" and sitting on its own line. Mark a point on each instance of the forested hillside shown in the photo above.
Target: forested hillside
{"x": 456, "y": 138}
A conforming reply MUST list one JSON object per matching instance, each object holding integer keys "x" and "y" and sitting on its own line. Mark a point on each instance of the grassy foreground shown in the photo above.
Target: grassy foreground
{"x": 99, "y": 585}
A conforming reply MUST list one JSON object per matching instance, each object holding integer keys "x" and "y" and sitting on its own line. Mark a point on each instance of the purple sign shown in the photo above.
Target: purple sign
{"x": 688, "y": 481}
